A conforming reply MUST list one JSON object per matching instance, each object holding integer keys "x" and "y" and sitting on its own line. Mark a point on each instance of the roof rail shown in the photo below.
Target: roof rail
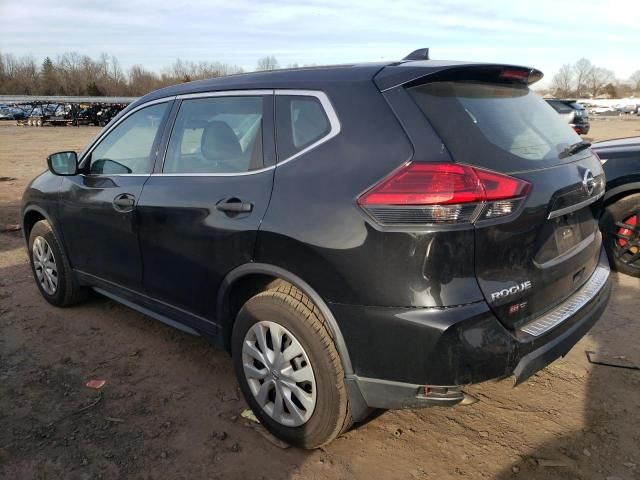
{"x": 420, "y": 54}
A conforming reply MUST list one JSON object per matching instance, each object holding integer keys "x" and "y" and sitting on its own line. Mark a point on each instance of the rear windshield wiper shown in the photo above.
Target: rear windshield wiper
{"x": 573, "y": 149}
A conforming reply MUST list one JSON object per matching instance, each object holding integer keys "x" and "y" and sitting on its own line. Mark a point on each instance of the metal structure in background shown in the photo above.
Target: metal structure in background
{"x": 62, "y": 110}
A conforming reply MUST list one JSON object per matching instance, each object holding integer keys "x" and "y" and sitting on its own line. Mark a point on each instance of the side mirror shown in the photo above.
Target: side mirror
{"x": 63, "y": 163}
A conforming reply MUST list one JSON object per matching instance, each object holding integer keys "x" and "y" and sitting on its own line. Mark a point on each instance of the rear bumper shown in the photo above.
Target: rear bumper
{"x": 396, "y": 352}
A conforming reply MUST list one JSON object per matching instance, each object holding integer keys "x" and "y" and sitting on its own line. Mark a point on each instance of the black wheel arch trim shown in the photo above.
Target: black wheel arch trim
{"x": 47, "y": 217}
{"x": 627, "y": 189}
{"x": 275, "y": 271}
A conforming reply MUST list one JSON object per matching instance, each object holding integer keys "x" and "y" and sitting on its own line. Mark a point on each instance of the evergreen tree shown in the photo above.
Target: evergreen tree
{"x": 48, "y": 79}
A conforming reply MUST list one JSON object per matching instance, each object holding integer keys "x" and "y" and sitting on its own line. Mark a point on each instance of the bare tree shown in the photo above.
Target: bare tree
{"x": 597, "y": 79}
{"x": 267, "y": 63}
{"x": 20, "y": 75}
{"x": 142, "y": 81}
{"x": 582, "y": 70}
{"x": 635, "y": 81}
{"x": 562, "y": 82}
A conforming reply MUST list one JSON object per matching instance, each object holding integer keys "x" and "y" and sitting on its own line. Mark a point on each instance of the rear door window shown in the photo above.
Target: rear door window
{"x": 217, "y": 135}
{"x": 300, "y": 122}
{"x": 497, "y": 126}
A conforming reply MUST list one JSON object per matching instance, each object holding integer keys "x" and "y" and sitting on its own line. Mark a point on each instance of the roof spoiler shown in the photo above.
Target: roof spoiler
{"x": 412, "y": 73}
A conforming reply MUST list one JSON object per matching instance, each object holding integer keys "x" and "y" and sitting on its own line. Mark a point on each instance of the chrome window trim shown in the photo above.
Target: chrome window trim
{"x": 226, "y": 93}
{"x": 229, "y": 174}
{"x": 570, "y": 306}
{"x": 334, "y": 123}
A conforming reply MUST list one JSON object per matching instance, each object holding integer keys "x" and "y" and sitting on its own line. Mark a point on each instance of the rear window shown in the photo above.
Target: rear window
{"x": 500, "y": 127}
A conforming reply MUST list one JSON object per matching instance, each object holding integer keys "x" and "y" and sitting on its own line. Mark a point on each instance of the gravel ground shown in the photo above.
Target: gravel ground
{"x": 170, "y": 407}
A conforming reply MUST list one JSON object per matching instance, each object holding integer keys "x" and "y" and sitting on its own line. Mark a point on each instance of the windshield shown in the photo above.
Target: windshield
{"x": 501, "y": 127}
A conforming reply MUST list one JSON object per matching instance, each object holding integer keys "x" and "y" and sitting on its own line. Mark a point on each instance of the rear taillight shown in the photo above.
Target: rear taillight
{"x": 442, "y": 193}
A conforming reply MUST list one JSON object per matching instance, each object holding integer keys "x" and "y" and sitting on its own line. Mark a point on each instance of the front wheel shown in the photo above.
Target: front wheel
{"x": 288, "y": 368}
{"x": 621, "y": 228}
{"x": 51, "y": 269}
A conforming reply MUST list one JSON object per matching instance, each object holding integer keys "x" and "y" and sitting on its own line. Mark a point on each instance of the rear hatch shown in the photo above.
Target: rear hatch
{"x": 534, "y": 258}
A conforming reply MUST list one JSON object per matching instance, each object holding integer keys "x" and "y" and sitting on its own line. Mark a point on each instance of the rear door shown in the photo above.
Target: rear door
{"x": 538, "y": 255}
{"x": 201, "y": 209}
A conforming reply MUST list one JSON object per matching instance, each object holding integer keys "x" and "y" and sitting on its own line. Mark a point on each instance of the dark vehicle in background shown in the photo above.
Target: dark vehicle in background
{"x": 620, "y": 222}
{"x": 360, "y": 236}
{"x": 63, "y": 114}
{"x": 12, "y": 113}
{"x": 573, "y": 113}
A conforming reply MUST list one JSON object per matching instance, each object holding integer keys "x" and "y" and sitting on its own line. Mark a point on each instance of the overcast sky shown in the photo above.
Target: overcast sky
{"x": 541, "y": 33}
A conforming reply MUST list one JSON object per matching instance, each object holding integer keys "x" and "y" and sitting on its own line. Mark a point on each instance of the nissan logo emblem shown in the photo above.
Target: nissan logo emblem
{"x": 588, "y": 182}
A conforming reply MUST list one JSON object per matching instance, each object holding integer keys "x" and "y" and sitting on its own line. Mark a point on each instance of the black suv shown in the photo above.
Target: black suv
{"x": 620, "y": 222}
{"x": 573, "y": 113}
{"x": 362, "y": 236}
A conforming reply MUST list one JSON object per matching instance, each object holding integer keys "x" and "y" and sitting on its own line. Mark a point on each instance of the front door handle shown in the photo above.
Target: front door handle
{"x": 124, "y": 202}
{"x": 233, "y": 206}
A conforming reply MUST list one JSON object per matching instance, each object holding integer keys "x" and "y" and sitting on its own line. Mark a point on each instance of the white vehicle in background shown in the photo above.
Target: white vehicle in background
{"x": 627, "y": 108}
{"x": 603, "y": 110}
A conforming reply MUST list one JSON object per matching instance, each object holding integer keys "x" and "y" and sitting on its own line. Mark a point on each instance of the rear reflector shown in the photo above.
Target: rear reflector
{"x": 442, "y": 193}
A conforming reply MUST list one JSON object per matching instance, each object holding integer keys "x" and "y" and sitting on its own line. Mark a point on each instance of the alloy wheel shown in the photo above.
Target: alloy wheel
{"x": 44, "y": 264}
{"x": 627, "y": 243}
{"x": 279, "y": 373}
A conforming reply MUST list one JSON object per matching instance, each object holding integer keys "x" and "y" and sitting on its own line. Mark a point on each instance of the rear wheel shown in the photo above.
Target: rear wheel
{"x": 621, "y": 227}
{"x": 51, "y": 269}
{"x": 288, "y": 368}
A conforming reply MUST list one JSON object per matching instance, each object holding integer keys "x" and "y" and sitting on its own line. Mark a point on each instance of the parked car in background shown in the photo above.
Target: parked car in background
{"x": 606, "y": 111}
{"x": 573, "y": 113}
{"x": 620, "y": 223}
{"x": 12, "y": 113}
{"x": 627, "y": 108}
{"x": 361, "y": 236}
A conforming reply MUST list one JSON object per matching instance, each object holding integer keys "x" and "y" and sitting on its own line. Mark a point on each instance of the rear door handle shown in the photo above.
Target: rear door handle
{"x": 124, "y": 202}
{"x": 234, "y": 206}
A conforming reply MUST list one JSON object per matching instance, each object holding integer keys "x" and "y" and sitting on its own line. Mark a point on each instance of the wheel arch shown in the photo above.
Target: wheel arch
{"x": 258, "y": 277}
{"x": 31, "y": 215}
{"x": 621, "y": 191}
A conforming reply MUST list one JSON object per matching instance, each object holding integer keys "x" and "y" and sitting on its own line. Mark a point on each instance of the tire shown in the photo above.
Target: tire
{"x": 623, "y": 243}
{"x": 287, "y": 310}
{"x": 57, "y": 285}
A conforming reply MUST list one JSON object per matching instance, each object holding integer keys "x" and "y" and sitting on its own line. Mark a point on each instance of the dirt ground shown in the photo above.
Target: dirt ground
{"x": 171, "y": 407}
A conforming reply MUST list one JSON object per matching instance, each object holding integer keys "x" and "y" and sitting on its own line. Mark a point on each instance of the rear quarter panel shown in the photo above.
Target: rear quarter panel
{"x": 315, "y": 229}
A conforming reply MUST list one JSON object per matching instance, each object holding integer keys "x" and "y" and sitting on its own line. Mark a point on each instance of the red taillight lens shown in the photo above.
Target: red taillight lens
{"x": 442, "y": 184}
{"x": 426, "y": 184}
{"x": 501, "y": 187}
{"x": 442, "y": 193}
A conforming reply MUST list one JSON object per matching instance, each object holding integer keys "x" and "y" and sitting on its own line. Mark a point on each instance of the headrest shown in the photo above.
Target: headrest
{"x": 218, "y": 142}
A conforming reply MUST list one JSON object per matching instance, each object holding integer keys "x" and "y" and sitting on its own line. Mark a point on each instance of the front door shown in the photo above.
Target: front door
{"x": 201, "y": 210}
{"x": 98, "y": 206}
